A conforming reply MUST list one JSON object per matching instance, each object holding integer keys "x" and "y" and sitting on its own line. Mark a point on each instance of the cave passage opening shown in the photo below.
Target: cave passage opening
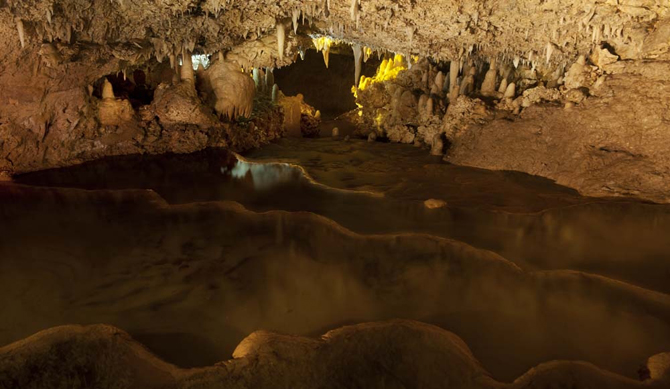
{"x": 327, "y": 89}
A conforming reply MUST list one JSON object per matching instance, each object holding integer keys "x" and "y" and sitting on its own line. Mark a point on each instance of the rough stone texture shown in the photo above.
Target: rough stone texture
{"x": 179, "y": 104}
{"x": 231, "y": 92}
{"x": 612, "y": 144}
{"x": 396, "y": 354}
{"x": 54, "y": 51}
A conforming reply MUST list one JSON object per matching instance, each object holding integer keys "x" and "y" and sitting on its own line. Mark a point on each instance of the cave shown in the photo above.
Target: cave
{"x": 331, "y": 194}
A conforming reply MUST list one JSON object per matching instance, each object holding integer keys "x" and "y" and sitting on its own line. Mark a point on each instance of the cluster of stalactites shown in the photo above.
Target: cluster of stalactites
{"x": 264, "y": 80}
{"x": 322, "y": 44}
{"x": 389, "y": 70}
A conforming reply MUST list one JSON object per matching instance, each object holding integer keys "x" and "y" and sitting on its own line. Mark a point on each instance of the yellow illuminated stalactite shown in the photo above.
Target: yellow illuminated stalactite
{"x": 387, "y": 71}
{"x": 322, "y": 44}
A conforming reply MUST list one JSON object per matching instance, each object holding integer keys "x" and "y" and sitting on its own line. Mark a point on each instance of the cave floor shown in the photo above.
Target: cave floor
{"x": 191, "y": 253}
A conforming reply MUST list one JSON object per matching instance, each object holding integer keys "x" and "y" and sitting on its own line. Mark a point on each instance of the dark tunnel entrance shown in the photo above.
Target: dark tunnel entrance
{"x": 326, "y": 89}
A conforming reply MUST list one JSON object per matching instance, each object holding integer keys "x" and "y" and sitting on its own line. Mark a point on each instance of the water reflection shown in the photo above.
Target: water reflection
{"x": 263, "y": 176}
{"x": 623, "y": 240}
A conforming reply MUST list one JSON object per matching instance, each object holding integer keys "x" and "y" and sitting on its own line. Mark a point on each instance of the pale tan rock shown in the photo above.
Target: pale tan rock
{"x": 232, "y": 91}
{"x": 602, "y": 57}
{"x": 510, "y": 91}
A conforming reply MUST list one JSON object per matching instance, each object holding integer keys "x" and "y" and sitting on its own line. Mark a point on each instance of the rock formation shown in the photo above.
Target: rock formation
{"x": 104, "y": 356}
{"x": 576, "y": 91}
{"x": 57, "y": 49}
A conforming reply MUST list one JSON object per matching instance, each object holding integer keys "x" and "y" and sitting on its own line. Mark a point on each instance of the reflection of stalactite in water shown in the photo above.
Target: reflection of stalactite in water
{"x": 264, "y": 176}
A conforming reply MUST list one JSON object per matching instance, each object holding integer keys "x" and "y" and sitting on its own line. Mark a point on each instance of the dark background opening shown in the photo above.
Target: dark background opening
{"x": 326, "y": 89}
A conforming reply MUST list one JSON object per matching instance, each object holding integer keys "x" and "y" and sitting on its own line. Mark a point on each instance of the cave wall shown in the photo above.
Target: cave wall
{"x": 53, "y": 51}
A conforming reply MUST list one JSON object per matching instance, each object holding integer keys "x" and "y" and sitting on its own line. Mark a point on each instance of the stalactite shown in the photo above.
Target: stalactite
{"x": 358, "y": 61}
{"x": 269, "y": 77}
{"x": 550, "y": 50}
{"x": 281, "y": 38}
{"x": 22, "y": 36}
{"x": 353, "y": 11}
{"x": 294, "y": 18}
{"x": 326, "y": 54}
{"x": 187, "y": 67}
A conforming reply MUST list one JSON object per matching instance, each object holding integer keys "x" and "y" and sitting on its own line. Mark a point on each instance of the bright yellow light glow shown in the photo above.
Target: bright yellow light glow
{"x": 322, "y": 43}
{"x": 388, "y": 70}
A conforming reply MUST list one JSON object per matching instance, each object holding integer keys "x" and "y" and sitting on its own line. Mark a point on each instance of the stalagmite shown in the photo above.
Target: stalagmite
{"x": 22, "y": 36}
{"x": 437, "y": 147}
{"x": 468, "y": 82}
{"x": 187, "y": 67}
{"x": 421, "y": 106}
{"x": 489, "y": 84}
{"x": 107, "y": 90}
{"x": 453, "y": 76}
{"x": 511, "y": 90}
{"x": 173, "y": 59}
{"x": 257, "y": 78}
{"x": 275, "y": 93}
{"x": 358, "y": 61}
{"x": 581, "y": 60}
{"x": 503, "y": 86}
{"x": 439, "y": 81}
{"x": 281, "y": 38}
{"x": 429, "y": 107}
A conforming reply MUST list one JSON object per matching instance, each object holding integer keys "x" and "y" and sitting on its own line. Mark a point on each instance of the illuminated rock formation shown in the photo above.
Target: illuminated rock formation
{"x": 232, "y": 90}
